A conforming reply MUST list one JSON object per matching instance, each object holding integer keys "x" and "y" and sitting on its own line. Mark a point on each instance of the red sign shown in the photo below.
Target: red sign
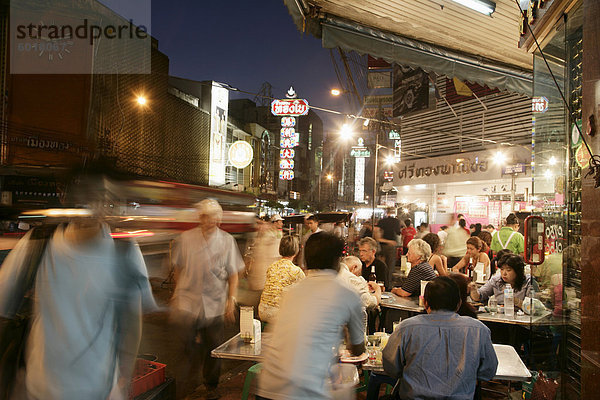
{"x": 287, "y": 132}
{"x": 539, "y": 104}
{"x": 287, "y": 153}
{"x": 286, "y": 174}
{"x": 289, "y": 107}
{"x": 288, "y": 122}
{"x": 285, "y": 163}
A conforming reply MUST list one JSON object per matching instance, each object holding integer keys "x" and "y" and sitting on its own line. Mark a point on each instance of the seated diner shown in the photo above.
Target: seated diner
{"x": 472, "y": 257}
{"x": 418, "y": 254}
{"x": 512, "y": 271}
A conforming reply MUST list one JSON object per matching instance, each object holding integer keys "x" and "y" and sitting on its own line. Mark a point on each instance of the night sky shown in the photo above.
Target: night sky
{"x": 245, "y": 43}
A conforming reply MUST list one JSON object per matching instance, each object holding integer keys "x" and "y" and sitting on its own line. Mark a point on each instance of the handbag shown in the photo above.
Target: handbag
{"x": 14, "y": 331}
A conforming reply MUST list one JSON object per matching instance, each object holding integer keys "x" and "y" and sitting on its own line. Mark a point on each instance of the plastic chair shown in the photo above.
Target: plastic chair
{"x": 251, "y": 375}
{"x": 375, "y": 382}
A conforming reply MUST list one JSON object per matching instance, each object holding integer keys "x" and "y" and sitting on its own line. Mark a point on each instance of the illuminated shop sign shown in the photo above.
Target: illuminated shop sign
{"x": 288, "y": 109}
{"x": 240, "y": 154}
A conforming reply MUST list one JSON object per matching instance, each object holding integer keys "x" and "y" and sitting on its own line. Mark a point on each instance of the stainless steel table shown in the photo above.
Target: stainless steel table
{"x": 410, "y": 304}
{"x": 236, "y": 349}
{"x": 516, "y": 319}
{"x": 510, "y": 365}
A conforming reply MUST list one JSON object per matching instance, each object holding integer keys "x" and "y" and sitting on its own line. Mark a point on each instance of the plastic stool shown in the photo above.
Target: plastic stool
{"x": 251, "y": 375}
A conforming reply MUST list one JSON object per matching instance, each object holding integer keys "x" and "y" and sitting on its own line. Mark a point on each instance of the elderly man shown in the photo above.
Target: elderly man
{"x": 367, "y": 248}
{"x": 350, "y": 273}
{"x": 310, "y": 323}
{"x": 439, "y": 354}
{"x": 207, "y": 262}
{"x": 418, "y": 255}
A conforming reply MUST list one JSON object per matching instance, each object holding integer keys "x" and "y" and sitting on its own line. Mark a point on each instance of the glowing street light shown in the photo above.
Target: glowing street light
{"x": 336, "y": 92}
{"x": 329, "y": 177}
{"x": 500, "y": 158}
{"x": 346, "y": 131}
{"x": 390, "y": 160}
{"x": 552, "y": 160}
{"x": 141, "y": 100}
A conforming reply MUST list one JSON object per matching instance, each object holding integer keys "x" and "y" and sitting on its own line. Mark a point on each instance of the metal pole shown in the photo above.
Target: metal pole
{"x": 375, "y": 175}
{"x": 513, "y": 189}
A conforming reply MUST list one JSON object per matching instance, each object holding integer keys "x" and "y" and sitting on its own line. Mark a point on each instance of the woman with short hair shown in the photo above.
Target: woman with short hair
{"x": 280, "y": 275}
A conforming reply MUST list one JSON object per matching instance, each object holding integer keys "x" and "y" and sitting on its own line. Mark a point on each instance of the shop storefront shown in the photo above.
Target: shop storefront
{"x": 485, "y": 186}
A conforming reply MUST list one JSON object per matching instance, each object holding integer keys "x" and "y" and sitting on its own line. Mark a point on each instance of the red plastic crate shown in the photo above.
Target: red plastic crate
{"x": 147, "y": 375}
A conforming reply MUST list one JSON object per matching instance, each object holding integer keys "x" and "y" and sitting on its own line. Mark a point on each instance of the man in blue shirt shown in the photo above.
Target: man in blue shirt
{"x": 439, "y": 354}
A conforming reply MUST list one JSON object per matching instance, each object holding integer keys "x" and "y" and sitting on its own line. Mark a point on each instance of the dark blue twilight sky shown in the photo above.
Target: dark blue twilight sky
{"x": 245, "y": 43}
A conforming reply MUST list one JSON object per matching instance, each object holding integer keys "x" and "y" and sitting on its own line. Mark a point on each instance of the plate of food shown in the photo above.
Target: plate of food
{"x": 347, "y": 358}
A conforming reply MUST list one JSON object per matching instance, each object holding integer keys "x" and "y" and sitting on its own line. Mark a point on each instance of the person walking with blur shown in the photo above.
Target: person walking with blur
{"x": 386, "y": 231}
{"x": 89, "y": 294}
{"x": 280, "y": 275}
{"x": 309, "y": 328}
{"x": 456, "y": 243}
{"x": 207, "y": 262}
{"x": 312, "y": 223}
{"x": 408, "y": 234}
{"x": 264, "y": 253}
{"x": 508, "y": 237}
{"x": 443, "y": 234}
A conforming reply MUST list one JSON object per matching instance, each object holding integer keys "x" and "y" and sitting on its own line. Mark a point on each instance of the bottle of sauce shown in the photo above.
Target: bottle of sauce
{"x": 470, "y": 268}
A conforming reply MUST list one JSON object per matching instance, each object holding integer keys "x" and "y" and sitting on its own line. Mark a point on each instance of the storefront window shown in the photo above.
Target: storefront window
{"x": 557, "y": 164}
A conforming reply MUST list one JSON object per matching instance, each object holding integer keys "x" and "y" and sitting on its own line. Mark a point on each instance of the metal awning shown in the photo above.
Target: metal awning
{"x": 450, "y": 40}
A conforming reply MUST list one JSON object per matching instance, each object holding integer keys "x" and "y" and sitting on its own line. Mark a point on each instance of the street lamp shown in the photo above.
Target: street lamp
{"x": 142, "y": 100}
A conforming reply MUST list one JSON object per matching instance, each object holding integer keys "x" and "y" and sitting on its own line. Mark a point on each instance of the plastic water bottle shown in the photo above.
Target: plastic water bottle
{"x": 493, "y": 305}
{"x": 509, "y": 301}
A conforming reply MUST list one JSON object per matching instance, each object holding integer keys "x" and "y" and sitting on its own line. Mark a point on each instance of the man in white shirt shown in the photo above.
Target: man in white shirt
{"x": 310, "y": 323}
{"x": 350, "y": 273}
{"x": 207, "y": 261}
{"x": 312, "y": 223}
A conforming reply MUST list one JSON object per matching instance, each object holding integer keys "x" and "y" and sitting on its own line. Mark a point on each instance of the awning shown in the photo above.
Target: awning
{"x": 351, "y": 35}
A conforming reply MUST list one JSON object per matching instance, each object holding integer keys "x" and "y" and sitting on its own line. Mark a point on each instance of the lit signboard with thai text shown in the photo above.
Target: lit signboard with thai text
{"x": 288, "y": 109}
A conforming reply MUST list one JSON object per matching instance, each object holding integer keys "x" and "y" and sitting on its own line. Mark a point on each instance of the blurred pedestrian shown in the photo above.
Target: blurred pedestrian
{"x": 207, "y": 262}
{"x": 408, "y": 234}
{"x": 456, "y": 243}
{"x": 422, "y": 230}
{"x": 386, "y": 233}
{"x": 312, "y": 224}
{"x": 443, "y": 234}
{"x": 89, "y": 293}
{"x": 264, "y": 253}
{"x": 309, "y": 328}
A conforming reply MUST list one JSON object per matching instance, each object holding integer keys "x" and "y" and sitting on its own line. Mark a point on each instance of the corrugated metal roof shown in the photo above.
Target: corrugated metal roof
{"x": 442, "y": 23}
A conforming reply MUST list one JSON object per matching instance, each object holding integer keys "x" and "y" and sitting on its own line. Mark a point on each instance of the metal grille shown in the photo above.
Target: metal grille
{"x": 439, "y": 132}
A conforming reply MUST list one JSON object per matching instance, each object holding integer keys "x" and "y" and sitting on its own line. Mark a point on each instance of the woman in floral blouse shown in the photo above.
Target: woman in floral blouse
{"x": 280, "y": 275}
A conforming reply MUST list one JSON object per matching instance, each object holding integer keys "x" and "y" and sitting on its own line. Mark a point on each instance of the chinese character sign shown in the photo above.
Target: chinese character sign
{"x": 289, "y": 107}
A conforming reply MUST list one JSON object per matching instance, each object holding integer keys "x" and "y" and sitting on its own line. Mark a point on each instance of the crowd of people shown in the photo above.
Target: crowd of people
{"x": 307, "y": 291}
